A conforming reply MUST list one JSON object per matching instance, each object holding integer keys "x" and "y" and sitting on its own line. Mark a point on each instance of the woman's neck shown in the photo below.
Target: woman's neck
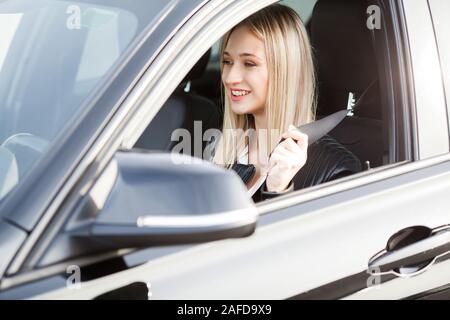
{"x": 260, "y": 121}
{"x": 257, "y": 151}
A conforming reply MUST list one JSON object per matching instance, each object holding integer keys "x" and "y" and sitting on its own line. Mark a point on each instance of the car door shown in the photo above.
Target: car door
{"x": 439, "y": 11}
{"x": 321, "y": 242}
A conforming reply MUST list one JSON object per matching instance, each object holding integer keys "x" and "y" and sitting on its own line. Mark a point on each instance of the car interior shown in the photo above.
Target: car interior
{"x": 347, "y": 67}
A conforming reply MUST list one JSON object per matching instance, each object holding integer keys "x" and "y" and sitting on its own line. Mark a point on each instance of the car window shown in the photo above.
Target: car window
{"x": 53, "y": 54}
{"x": 348, "y": 68}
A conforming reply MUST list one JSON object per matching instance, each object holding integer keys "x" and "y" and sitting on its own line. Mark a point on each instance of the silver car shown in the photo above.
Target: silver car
{"x": 93, "y": 205}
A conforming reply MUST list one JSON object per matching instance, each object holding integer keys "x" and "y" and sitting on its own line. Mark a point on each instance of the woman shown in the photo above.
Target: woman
{"x": 269, "y": 83}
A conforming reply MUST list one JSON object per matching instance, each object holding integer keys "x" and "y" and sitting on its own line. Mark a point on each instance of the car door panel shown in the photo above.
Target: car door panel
{"x": 298, "y": 248}
{"x": 411, "y": 288}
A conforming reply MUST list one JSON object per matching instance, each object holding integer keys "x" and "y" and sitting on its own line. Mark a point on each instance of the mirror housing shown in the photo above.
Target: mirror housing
{"x": 143, "y": 199}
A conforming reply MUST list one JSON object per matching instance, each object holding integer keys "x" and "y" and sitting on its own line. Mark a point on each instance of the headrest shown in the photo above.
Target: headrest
{"x": 344, "y": 54}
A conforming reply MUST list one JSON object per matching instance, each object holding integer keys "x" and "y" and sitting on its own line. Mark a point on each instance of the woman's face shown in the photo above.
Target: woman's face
{"x": 245, "y": 71}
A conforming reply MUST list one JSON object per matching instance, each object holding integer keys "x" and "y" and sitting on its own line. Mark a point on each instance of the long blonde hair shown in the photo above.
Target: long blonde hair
{"x": 291, "y": 96}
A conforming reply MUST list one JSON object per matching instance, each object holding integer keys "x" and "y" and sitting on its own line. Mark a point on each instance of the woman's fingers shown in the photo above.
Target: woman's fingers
{"x": 291, "y": 145}
{"x": 276, "y": 160}
{"x": 283, "y": 151}
{"x": 295, "y": 134}
{"x": 287, "y": 159}
{"x": 294, "y": 149}
{"x": 300, "y": 138}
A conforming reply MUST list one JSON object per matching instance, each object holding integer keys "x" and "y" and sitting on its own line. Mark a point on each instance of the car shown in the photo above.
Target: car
{"x": 94, "y": 205}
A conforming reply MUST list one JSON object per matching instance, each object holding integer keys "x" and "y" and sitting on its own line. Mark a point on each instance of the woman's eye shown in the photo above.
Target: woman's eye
{"x": 226, "y": 62}
{"x": 247, "y": 64}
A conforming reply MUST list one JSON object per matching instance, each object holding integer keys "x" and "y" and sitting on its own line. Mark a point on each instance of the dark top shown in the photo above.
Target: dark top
{"x": 327, "y": 160}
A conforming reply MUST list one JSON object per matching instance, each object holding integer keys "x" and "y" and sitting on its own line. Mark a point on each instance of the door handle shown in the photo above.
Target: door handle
{"x": 411, "y": 257}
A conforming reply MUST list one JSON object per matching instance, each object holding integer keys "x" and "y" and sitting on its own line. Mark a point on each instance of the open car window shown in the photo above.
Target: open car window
{"x": 351, "y": 68}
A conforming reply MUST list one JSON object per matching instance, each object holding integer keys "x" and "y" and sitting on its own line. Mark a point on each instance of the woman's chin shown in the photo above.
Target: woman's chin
{"x": 241, "y": 109}
{"x": 239, "y": 112}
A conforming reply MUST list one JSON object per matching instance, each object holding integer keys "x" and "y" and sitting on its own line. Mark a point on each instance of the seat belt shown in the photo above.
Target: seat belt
{"x": 317, "y": 129}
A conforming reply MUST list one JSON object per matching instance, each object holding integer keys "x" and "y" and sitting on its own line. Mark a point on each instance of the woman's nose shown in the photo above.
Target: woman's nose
{"x": 234, "y": 75}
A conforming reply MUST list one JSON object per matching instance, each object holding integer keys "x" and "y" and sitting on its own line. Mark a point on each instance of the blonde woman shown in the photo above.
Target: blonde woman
{"x": 268, "y": 89}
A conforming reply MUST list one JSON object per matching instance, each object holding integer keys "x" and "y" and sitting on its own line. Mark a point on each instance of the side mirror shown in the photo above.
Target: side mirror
{"x": 143, "y": 199}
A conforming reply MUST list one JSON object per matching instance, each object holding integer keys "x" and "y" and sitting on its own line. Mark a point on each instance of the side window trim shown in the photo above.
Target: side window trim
{"x": 145, "y": 100}
{"x": 432, "y": 123}
{"x": 439, "y": 13}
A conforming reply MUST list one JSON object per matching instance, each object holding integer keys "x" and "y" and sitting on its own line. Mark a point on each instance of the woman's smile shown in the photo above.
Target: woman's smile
{"x": 237, "y": 95}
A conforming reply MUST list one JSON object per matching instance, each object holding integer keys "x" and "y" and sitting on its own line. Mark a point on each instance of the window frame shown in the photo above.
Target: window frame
{"x": 437, "y": 12}
{"x": 430, "y": 112}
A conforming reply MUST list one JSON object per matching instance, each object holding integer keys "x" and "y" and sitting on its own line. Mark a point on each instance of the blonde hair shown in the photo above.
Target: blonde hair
{"x": 291, "y": 96}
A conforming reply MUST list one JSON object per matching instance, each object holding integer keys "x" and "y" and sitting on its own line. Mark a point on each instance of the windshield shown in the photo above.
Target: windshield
{"x": 53, "y": 54}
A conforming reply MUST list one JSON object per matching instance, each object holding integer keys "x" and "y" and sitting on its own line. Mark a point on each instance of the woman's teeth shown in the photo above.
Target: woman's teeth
{"x": 239, "y": 93}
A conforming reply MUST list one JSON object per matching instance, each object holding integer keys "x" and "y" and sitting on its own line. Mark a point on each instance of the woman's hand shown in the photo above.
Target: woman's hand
{"x": 287, "y": 159}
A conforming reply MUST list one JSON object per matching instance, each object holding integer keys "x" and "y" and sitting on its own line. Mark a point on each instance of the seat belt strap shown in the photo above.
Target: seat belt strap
{"x": 317, "y": 129}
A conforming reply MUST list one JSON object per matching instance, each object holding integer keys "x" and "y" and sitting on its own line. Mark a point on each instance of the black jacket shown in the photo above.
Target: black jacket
{"x": 327, "y": 160}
